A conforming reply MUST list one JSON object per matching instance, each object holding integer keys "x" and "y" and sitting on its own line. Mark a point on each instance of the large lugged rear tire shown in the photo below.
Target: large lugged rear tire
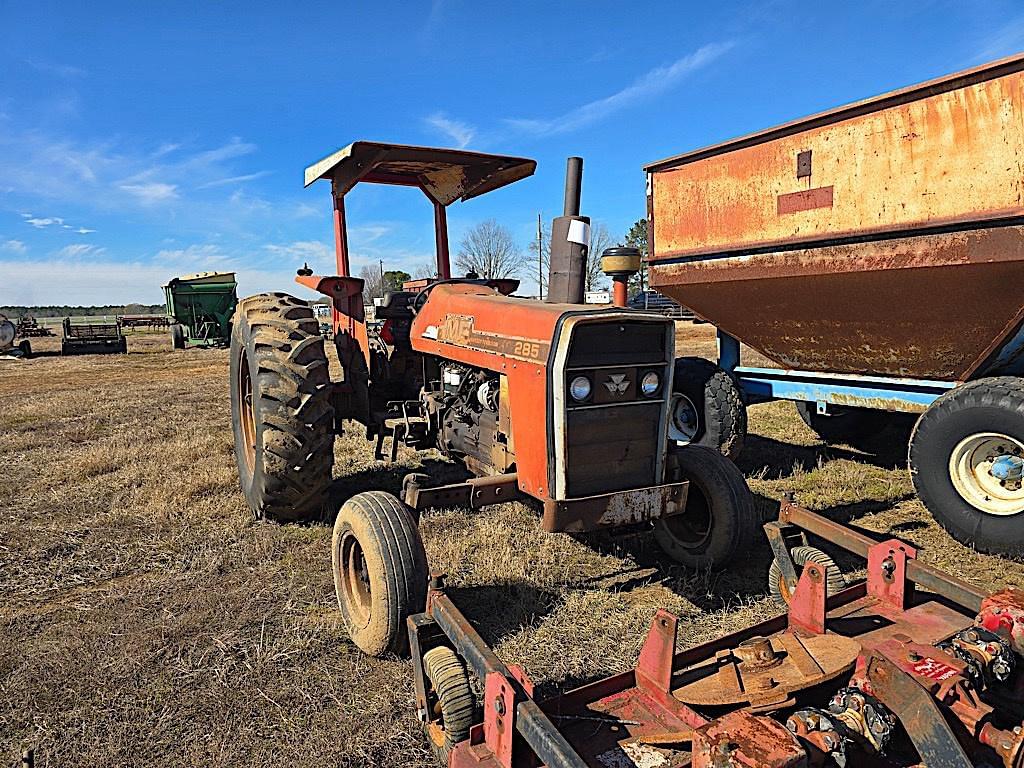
{"x": 281, "y": 411}
{"x": 721, "y": 416}
{"x": 720, "y": 520}
{"x": 380, "y": 571}
{"x": 954, "y": 454}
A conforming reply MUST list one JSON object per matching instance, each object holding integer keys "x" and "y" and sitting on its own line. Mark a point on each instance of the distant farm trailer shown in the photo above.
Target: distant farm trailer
{"x": 30, "y": 326}
{"x": 144, "y": 321}
{"x": 201, "y": 307}
{"x": 88, "y": 338}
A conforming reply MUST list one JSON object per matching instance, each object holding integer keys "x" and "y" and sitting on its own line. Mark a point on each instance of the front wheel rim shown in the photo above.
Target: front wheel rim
{"x": 354, "y": 587}
{"x": 971, "y": 466}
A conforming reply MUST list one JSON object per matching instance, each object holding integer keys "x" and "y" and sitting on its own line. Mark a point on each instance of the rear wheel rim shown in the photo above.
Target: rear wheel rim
{"x": 970, "y": 470}
{"x": 246, "y": 415}
{"x": 355, "y": 580}
{"x": 684, "y": 422}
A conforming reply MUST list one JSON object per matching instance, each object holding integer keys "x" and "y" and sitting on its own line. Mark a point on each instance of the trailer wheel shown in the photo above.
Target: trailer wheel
{"x": 708, "y": 408}
{"x": 450, "y": 700}
{"x": 720, "y": 521}
{"x": 380, "y": 571}
{"x": 177, "y": 336}
{"x": 967, "y": 458}
{"x": 281, "y": 411}
{"x": 834, "y": 579}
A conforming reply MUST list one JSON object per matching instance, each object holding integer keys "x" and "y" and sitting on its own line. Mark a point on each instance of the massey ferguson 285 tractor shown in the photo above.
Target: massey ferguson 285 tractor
{"x": 572, "y": 406}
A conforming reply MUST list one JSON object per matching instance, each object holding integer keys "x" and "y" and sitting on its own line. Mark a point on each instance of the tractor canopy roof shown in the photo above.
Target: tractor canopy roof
{"x": 445, "y": 175}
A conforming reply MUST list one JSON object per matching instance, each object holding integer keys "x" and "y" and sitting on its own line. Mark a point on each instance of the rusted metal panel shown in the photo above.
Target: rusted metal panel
{"x": 446, "y": 175}
{"x": 936, "y": 156}
{"x": 934, "y": 306}
{"x": 614, "y": 509}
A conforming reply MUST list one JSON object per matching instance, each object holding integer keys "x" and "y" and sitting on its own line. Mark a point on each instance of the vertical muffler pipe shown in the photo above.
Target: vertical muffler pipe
{"x": 570, "y": 240}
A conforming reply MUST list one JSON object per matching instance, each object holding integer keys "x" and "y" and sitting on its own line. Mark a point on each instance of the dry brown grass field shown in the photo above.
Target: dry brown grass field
{"x": 146, "y": 619}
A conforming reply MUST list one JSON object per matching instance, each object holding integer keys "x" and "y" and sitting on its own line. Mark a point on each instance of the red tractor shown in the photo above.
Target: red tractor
{"x": 576, "y": 407}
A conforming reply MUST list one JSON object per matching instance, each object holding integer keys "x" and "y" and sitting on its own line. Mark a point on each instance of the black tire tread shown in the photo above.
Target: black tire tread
{"x": 834, "y": 579}
{"x": 703, "y": 465}
{"x": 450, "y": 683}
{"x": 715, "y": 392}
{"x": 405, "y": 568}
{"x": 1005, "y": 393}
{"x": 292, "y": 379}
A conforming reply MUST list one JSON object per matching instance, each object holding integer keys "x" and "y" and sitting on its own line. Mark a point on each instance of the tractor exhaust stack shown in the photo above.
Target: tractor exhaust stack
{"x": 570, "y": 240}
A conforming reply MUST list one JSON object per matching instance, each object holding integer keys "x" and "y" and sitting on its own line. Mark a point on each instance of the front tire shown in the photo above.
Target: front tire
{"x": 380, "y": 571}
{"x": 719, "y": 523}
{"x": 715, "y": 414}
{"x": 959, "y": 448}
{"x": 281, "y": 411}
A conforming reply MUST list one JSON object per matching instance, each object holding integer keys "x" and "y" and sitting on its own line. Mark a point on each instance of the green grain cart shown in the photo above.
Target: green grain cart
{"x": 201, "y": 306}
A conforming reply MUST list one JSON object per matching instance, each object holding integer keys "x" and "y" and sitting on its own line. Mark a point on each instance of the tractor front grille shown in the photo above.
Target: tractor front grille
{"x": 615, "y": 439}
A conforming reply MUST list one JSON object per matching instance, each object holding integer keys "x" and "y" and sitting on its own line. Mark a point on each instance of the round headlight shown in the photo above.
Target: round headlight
{"x": 649, "y": 383}
{"x": 579, "y": 388}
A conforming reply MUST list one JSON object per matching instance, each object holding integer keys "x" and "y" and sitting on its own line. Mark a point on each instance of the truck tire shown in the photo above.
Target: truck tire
{"x": 380, "y": 571}
{"x": 952, "y": 452}
{"x": 720, "y": 521}
{"x": 26, "y": 348}
{"x": 281, "y": 411}
{"x": 713, "y": 397}
{"x": 451, "y": 698}
{"x": 178, "y": 336}
{"x": 834, "y": 579}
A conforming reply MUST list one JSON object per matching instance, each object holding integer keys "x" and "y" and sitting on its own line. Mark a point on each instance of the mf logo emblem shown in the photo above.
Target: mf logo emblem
{"x": 617, "y": 383}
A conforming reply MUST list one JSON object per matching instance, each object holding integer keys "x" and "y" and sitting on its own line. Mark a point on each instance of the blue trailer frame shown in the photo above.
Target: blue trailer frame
{"x": 885, "y": 393}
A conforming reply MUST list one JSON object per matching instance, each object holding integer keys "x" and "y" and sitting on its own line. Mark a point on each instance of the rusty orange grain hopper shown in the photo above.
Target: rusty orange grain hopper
{"x": 875, "y": 253}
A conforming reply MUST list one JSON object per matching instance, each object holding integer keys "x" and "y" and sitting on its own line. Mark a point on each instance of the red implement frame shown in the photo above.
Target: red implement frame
{"x": 897, "y": 616}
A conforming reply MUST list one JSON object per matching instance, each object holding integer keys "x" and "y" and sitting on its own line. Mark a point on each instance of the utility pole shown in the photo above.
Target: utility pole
{"x": 540, "y": 260}
{"x": 383, "y": 287}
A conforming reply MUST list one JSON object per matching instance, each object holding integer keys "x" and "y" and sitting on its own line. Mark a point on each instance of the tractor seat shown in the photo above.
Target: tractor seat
{"x": 395, "y": 306}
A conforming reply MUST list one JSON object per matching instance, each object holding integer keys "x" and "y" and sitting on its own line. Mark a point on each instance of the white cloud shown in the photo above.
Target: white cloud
{"x": 13, "y": 246}
{"x": 1007, "y": 39}
{"x": 234, "y": 180}
{"x": 43, "y": 223}
{"x": 656, "y": 81}
{"x": 65, "y": 71}
{"x": 106, "y": 281}
{"x": 79, "y": 250}
{"x": 151, "y": 192}
{"x": 459, "y": 132}
{"x": 312, "y": 252}
{"x": 84, "y": 231}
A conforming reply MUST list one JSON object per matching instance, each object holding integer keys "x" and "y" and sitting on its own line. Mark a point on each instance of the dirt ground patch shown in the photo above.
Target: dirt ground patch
{"x": 146, "y": 619}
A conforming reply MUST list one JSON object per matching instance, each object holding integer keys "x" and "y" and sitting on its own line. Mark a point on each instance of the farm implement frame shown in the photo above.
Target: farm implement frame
{"x": 909, "y": 667}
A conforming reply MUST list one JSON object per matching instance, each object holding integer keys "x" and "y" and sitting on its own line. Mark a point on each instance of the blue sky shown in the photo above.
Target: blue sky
{"x": 143, "y": 140}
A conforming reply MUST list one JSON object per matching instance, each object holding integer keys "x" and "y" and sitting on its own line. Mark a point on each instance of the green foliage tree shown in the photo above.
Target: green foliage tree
{"x": 636, "y": 237}
{"x": 394, "y": 278}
